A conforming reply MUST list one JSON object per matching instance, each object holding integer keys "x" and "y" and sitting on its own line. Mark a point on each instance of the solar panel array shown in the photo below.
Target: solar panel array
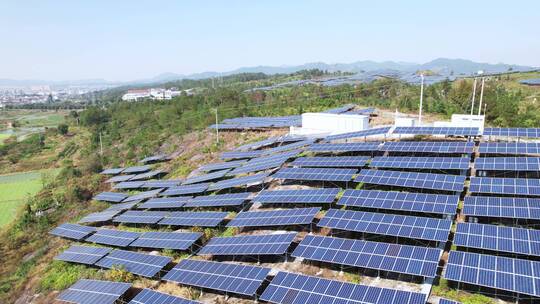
{"x": 167, "y": 183}
{"x": 446, "y": 301}
{"x": 288, "y": 288}
{"x": 148, "y": 175}
{"x": 514, "y": 275}
{"x": 221, "y": 166}
{"x": 298, "y": 216}
{"x": 83, "y": 254}
{"x": 511, "y": 148}
{"x": 122, "y": 206}
{"x": 73, "y": 231}
{"x": 145, "y": 265}
{"x": 508, "y": 163}
{"x": 219, "y": 200}
{"x": 186, "y": 189}
{"x": 143, "y": 195}
{"x": 316, "y": 174}
{"x": 201, "y": 219}
{"x": 412, "y": 179}
{"x": 155, "y": 158}
{"x": 437, "y": 131}
{"x": 419, "y": 261}
{"x": 517, "y": 186}
{"x": 340, "y": 110}
{"x": 240, "y": 154}
{"x": 300, "y": 196}
{"x": 513, "y": 132}
{"x": 165, "y": 202}
{"x": 403, "y": 201}
{"x": 113, "y": 237}
{"x": 345, "y": 147}
{"x": 259, "y": 144}
{"x": 263, "y": 163}
{"x": 129, "y": 185}
{"x": 206, "y": 177}
{"x": 498, "y": 238}
{"x": 262, "y": 244}
{"x": 405, "y": 162}
{"x": 363, "y": 133}
{"x": 120, "y": 178}
{"x": 112, "y": 171}
{"x": 94, "y": 292}
{"x": 451, "y": 147}
{"x": 149, "y": 296}
{"x": 137, "y": 169}
{"x": 167, "y": 240}
{"x": 239, "y": 181}
{"x": 240, "y": 279}
{"x": 332, "y": 162}
{"x": 387, "y": 224}
{"x": 113, "y": 197}
{"x": 97, "y": 217}
{"x": 502, "y": 207}
{"x": 288, "y": 147}
{"x": 140, "y": 217}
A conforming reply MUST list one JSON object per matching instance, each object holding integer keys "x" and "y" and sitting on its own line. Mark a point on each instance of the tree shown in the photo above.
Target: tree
{"x": 63, "y": 129}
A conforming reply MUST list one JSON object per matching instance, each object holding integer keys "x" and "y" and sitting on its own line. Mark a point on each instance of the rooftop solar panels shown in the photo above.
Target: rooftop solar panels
{"x": 137, "y": 169}
{"x": 165, "y": 202}
{"x": 140, "y": 217}
{"x": 167, "y": 240}
{"x": 200, "y": 219}
{"x": 206, "y": 177}
{"x": 129, "y": 185}
{"x": 145, "y": 265}
{"x": 113, "y": 197}
{"x": 186, "y": 189}
{"x": 403, "y": 201}
{"x": 300, "y": 196}
{"x": 148, "y": 296}
{"x": 166, "y": 183}
{"x": 112, "y": 171}
{"x": 345, "y": 147}
{"x": 514, "y": 275}
{"x": 220, "y": 200}
{"x": 451, "y": 147}
{"x": 507, "y": 163}
{"x": 498, "y": 238}
{"x": 264, "y": 244}
{"x": 240, "y": 279}
{"x": 72, "y": 231}
{"x": 332, "y": 162}
{"x": 148, "y": 175}
{"x": 437, "y": 131}
{"x": 509, "y": 148}
{"x": 316, "y": 174}
{"x": 517, "y": 186}
{"x": 240, "y": 154}
{"x": 83, "y": 254}
{"x": 412, "y": 179}
{"x": 288, "y": 288}
{"x": 113, "y": 237}
{"x": 248, "y": 180}
{"x": 387, "y": 224}
{"x": 221, "y": 166}
{"x": 513, "y": 132}
{"x": 413, "y": 260}
{"x": 298, "y": 216}
{"x": 119, "y": 178}
{"x": 97, "y": 217}
{"x": 433, "y": 163}
{"x": 502, "y": 207}
{"x": 143, "y": 195}
{"x": 94, "y": 292}
{"x": 363, "y": 133}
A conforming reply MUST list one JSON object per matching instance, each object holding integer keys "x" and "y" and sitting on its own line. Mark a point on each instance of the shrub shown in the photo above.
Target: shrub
{"x": 62, "y": 129}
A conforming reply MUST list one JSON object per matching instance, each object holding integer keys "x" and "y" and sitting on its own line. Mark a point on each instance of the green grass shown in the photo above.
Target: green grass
{"x": 3, "y": 137}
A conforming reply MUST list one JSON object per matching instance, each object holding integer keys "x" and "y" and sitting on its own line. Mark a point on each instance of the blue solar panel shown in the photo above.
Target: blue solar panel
{"x": 387, "y": 224}
{"x": 437, "y": 131}
{"x": 392, "y": 200}
{"x": 112, "y": 171}
{"x": 298, "y": 216}
{"x": 435, "y": 163}
{"x": 155, "y": 158}
{"x": 509, "y": 148}
{"x": 288, "y": 147}
{"x": 143, "y": 195}
{"x": 240, "y": 279}
{"x": 94, "y": 292}
{"x": 113, "y": 197}
{"x": 221, "y": 166}
{"x": 97, "y": 217}
{"x": 412, "y": 180}
{"x": 260, "y": 163}
{"x": 122, "y": 206}
{"x": 128, "y": 185}
{"x": 186, "y": 189}
{"x": 502, "y": 207}
{"x": 167, "y": 240}
{"x": 288, "y": 288}
{"x": 419, "y": 261}
{"x": 300, "y": 196}
{"x": 140, "y": 217}
{"x": 137, "y": 169}
{"x": 148, "y": 175}
{"x": 113, "y": 237}
{"x": 166, "y": 183}
{"x": 316, "y": 174}
{"x": 72, "y": 231}
{"x": 363, "y": 133}
{"x": 240, "y": 155}
{"x": 345, "y": 147}
{"x": 165, "y": 202}
{"x": 451, "y": 147}
{"x": 145, "y": 265}
{"x": 340, "y": 110}
{"x": 508, "y": 163}
{"x": 517, "y": 186}
{"x": 332, "y": 162}
{"x": 445, "y": 301}
{"x": 148, "y": 296}
{"x": 220, "y": 200}
{"x": 247, "y": 181}
{"x": 202, "y": 219}
{"x": 206, "y": 177}
{"x": 514, "y": 275}
{"x": 259, "y": 144}
{"x": 513, "y": 132}
{"x": 120, "y": 178}
{"x": 262, "y": 244}
{"x": 83, "y": 254}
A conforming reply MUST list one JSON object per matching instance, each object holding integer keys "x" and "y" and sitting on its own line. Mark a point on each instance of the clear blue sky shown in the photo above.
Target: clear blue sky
{"x": 125, "y": 40}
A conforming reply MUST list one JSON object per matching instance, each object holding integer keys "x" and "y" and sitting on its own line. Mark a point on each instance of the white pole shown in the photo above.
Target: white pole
{"x": 421, "y": 99}
{"x": 217, "y": 127}
{"x": 485, "y": 106}
{"x": 100, "y": 145}
{"x": 481, "y": 96}
{"x": 473, "y": 95}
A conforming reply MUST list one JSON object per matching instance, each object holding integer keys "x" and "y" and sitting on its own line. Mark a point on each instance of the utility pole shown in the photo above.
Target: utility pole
{"x": 217, "y": 127}
{"x": 421, "y": 99}
{"x": 100, "y": 145}
{"x": 485, "y": 107}
{"x": 473, "y": 95}
{"x": 481, "y": 96}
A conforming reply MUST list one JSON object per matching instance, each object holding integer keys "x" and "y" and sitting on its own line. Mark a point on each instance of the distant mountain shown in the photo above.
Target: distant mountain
{"x": 468, "y": 67}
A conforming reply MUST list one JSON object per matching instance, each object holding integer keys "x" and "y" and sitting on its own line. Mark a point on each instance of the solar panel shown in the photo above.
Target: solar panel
{"x": 514, "y": 275}
{"x": 145, "y": 265}
{"x": 167, "y": 183}
{"x": 97, "y": 217}
{"x": 83, "y": 254}
{"x": 112, "y": 171}
{"x": 509, "y": 148}
{"x": 240, "y": 154}
{"x": 288, "y": 288}
{"x": 293, "y": 146}
{"x": 502, "y": 207}
{"x": 340, "y": 110}
{"x": 113, "y": 237}
{"x": 119, "y": 178}
{"x": 113, "y": 197}
{"x": 143, "y": 195}
{"x": 186, "y": 189}
{"x": 300, "y": 196}
{"x": 206, "y": 177}
{"x": 165, "y": 202}
{"x": 435, "y": 163}
{"x": 298, "y": 216}
{"x": 518, "y": 186}
{"x": 220, "y": 200}
{"x": 72, "y": 231}
{"x": 412, "y": 179}
{"x": 508, "y": 163}
{"x": 137, "y": 169}
{"x": 167, "y": 240}
{"x": 316, "y": 174}
{"x": 221, "y": 166}
{"x": 452, "y": 147}
{"x": 363, "y": 133}
{"x": 446, "y": 301}
{"x": 388, "y": 224}
{"x": 437, "y": 131}
{"x": 122, "y": 206}
{"x": 155, "y": 158}
{"x": 403, "y": 201}
{"x": 240, "y": 279}
{"x": 94, "y": 292}
{"x": 149, "y": 296}
{"x": 262, "y": 163}
{"x": 200, "y": 219}
{"x": 259, "y": 144}
{"x": 498, "y": 238}
{"x": 413, "y": 260}
{"x": 129, "y": 185}
{"x": 345, "y": 147}
{"x": 333, "y": 162}
{"x": 247, "y": 181}
{"x": 262, "y": 244}
{"x": 148, "y": 175}
{"x": 140, "y": 217}
{"x": 513, "y": 132}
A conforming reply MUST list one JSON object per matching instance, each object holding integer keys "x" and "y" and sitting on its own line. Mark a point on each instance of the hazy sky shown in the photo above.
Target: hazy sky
{"x": 126, "y": 40}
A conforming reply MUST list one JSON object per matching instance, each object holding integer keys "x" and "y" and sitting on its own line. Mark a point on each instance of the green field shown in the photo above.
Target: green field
{"x": 3, "y": 137}
{"x": 16, "y": 188}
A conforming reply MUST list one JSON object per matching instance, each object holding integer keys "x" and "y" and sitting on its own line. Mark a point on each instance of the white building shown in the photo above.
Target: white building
{"x": 330, "y": 124}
